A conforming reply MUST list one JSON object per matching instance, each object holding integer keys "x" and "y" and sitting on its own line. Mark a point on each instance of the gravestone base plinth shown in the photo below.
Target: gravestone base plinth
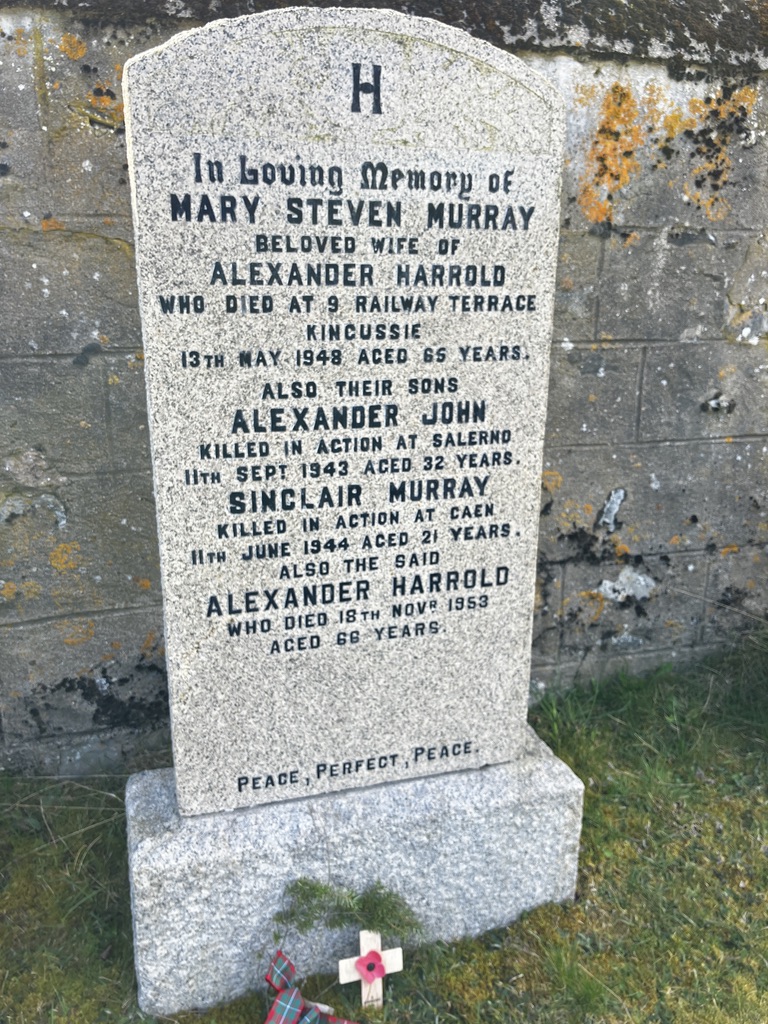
{"x": 468, "y": 850}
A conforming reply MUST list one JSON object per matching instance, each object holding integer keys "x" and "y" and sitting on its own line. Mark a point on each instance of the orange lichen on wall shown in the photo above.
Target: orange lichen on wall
{"x": 655, "y": 101}
{"x": 720, "y": 118}
{"x": 573, "y": 516}
{"x": 52, "y": 224}
{"x": 675, "y": 122}
{"x": 101, "y": 95}
{"x": 72, "y": 46}
{"x": 612, "y": 159}
{"x": 74, "y": 633}
{"x": 64, "y": 557}
{"x": 20, "y": 43}
{"x": 538, "y": 596}
{"x": 150, "y": 641}
{"x": 652, "y": 132}
{"x": 620, "y": 548}
{"x": 584, "y": 95}
{"x": 551, "y": 480}
{"x": 106, "y": 107}
{"x": 597, "y": 600}
{"x": 151, "y": 646}
{"x": 28, "y": 589}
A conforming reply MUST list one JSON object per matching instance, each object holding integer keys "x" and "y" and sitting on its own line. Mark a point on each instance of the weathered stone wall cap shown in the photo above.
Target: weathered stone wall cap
{"x": 724, "y": 38}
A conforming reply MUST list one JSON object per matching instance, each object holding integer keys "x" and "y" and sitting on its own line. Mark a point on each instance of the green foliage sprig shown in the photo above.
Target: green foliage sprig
{"x": 377, "y": 909}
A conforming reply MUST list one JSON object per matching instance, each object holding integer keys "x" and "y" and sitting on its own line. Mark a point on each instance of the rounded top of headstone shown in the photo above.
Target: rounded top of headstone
{"x": 490, "y": 90}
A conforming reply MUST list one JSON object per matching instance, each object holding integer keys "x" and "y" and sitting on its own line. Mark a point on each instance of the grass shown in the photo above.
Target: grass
{"x": 670, "y": 924}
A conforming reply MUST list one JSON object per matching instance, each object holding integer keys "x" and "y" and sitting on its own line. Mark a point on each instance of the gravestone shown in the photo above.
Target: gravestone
{"x": 346, "y": 229}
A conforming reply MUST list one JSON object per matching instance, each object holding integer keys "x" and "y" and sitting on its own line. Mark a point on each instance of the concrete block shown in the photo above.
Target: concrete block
{"x": 127, "y": 411}
{"x": 654, "y": 289}
{"x": 647, "y": 150}
{"x": 18, "y": 98}
{"x": 748, "y": 296}
{"x": 86, "y": 545}
{"x": 594, "y": 392}
{"x": 578, "y": 265}
{"x": 608, "y": 663}
{"x": 60, "y": 292}
{"x": 697, "y": 204}
{"x": 690, "y": 496}
{"x": 24, "y": 177}
{"x": 701, "y": 390}
{"x": 80, "y": 674}
{"x": 655, "y": 603}
{"x": 64, "y": 413}
{"x": 469, "y": 851}
{"x": 89, "y": 174}
{"x": 105, "y": 751}
{"x": 737, "y": 595}
{"x": 547, "y": 611}
{"x": 82, "y": 416}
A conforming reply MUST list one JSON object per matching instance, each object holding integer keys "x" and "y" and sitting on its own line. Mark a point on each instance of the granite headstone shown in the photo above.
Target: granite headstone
{"x": 346, "y": 226}
{"x": 346, "y": 240}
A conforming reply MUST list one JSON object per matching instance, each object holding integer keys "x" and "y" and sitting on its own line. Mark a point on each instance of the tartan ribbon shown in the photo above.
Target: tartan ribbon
{"x": 289, "y": 1006}
{"x": 281, "y": 973}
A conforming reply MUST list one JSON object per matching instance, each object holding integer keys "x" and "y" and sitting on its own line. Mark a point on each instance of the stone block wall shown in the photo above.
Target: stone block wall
{"x": 654, "y": 541}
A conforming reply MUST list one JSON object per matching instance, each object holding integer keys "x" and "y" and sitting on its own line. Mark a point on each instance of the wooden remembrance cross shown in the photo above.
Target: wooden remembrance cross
{"x": 370, "y": 968}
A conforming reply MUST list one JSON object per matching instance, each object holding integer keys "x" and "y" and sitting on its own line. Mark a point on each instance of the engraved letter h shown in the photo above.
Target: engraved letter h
{"x": 366, "y": 87}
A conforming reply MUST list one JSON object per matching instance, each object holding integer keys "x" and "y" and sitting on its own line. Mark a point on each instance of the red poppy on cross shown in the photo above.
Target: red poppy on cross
{"x": 370, "y": 967}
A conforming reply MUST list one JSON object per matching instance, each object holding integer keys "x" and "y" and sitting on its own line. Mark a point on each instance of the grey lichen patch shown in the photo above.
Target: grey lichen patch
{"x": 629, "y": 584}
{"x": 611, "y": 509}
{"x": 11, "y": 507}
{"x": 748, "y": 297}
{"x": 16, "y": 505}
{"x": 718, "y": 403}
{"x": 30, "y": 469}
